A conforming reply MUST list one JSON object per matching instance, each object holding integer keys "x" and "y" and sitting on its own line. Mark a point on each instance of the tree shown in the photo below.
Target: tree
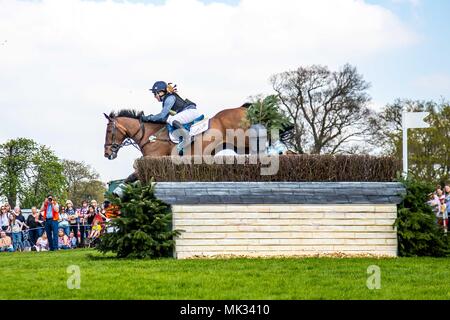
{"x": 428, "y": 149}
{"x": 15, "y": 161}
{"x": 46, "y": 177}
{"x": 328, "y": 109}
{"x": 143, "y": 229}
{"x": 88, "y": 190}
{"x": 266, "y": 111}
{"x": 82, "y": 182}
{"x": 418, "y": 232}
{"x": 28, "y": 171}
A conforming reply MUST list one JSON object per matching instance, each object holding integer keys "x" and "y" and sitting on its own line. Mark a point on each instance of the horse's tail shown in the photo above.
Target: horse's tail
{"x": 246, "y": 105}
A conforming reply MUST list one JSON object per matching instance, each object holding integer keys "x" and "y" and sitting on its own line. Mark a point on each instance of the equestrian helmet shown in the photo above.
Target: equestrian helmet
{"x": 159, "y": 86}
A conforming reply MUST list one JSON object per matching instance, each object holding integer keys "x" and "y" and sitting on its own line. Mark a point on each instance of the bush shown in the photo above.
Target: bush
{"x": 417, "y": 230}
{"x": 143, "y": 229}
{"x": 291, "y": 168}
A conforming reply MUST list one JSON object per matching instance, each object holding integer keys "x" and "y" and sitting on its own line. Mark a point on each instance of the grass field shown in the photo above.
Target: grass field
{"x": 44, "y": 276}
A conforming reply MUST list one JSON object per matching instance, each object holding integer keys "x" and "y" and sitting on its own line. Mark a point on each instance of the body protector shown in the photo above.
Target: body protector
{"x": 180, "y": 103}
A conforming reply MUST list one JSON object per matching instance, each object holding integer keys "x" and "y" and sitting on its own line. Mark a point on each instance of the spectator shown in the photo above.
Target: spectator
{"x": 4, "y": 218}
{"x": 89, "y": 218}
{"x": 39, "y": 218}
{"x": 17, "y": 225}
{"x": 63, "y": 240}
{"x": 18, "y": 214}
{"x": 27, "y": 246}
{"x": 100, "y": 217}
{"x": 95, "y": 232}
{"x": 33, "y": 225}
{"x": 5, "y": 242}
{"x": 95, "y": 205}
{"x": 10, "y": 216}
{"x": 83, "y": 215}
{"x": 51, "y": 218}
{"x": 447, "y": 197}
{"x": 41, "y": 222}
{"x": 96, "y": 229}
{"x": 110, "y": 211}
{"x": 8, "y": 209}
{"x": 90, "y": 215}
{"x": 42, "y": 243}
{"x": 64, "y": 221}
{"x": 434, "y": 203}
{"x": 72, "y": 240}
{"x": 73, "y": 217}
{"x": 443, "y": 218}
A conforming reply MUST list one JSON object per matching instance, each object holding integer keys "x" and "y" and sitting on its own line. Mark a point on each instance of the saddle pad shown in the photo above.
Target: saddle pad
{"x": 199, "y": 127}
{"x": 196, "y": 127}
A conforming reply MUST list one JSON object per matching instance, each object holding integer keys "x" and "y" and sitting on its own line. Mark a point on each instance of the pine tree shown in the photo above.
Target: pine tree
{"x": 266, "y": 111}
{"x": 418, "y": 232}
{"x": 144, "y": 227}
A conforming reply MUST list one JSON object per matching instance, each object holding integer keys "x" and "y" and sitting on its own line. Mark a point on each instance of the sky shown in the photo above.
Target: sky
{"x": 65, "y": 62}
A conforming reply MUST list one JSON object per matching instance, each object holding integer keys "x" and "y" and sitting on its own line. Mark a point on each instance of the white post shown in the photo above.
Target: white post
{"x": 405, "y": 144}
{"x": 411, "y": 120}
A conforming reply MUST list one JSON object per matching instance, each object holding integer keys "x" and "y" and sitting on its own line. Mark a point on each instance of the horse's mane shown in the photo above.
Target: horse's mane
{"x": 126, "y": 113}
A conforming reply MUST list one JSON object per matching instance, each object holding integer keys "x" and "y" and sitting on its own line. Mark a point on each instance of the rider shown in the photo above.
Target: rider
{"x": 175, "y": 110}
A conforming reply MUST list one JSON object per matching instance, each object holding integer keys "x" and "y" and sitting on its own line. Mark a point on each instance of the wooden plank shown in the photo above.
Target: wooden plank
{"x": 284, "y": 208}
{"x": 291, "y": 228}
{"x": 284, "y": 215}
{"x": 271, "y": 242}
{"x": 289, "y": 235}
{"x": 282, "y": 222}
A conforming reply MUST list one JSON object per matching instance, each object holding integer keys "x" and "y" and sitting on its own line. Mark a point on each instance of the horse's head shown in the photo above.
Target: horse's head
{"x": 116, "y": 133}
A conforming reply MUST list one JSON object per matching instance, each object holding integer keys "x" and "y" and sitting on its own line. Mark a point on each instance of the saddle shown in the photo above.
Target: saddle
{"x": 196, "y": 127}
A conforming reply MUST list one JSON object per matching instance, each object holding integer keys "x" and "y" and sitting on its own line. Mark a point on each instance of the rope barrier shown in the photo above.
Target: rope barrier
{"x": 70, "y": 225}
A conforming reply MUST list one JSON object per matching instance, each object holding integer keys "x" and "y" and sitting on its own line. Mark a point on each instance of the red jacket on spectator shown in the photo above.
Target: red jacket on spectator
{"x": 98, "y": 217}
{"x": 55, "y": 213}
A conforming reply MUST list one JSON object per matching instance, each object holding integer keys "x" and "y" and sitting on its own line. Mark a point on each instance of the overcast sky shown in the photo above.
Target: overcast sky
{"x": 65, "y": 62}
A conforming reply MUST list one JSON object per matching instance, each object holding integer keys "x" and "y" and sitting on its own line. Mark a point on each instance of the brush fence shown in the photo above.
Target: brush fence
{"x": 283, "y": 218}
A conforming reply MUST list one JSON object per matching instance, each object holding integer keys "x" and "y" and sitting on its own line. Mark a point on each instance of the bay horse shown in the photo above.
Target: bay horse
{"x": 152, "y": 139}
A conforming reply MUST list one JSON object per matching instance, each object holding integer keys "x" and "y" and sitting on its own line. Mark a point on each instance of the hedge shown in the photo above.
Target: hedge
{"x": 305, "y": 168}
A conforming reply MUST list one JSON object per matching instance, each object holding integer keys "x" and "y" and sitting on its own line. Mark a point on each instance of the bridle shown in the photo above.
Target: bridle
{"x": 115, "y": 147}
{"x": 130, "y": 139}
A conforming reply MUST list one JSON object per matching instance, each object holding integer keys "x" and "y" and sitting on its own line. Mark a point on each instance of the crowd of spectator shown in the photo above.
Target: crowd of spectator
{"x": 439, "y": 200}
{"x": 52, "y": 226}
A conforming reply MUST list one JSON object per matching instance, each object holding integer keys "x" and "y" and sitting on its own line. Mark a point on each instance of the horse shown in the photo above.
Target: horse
{"x": 125, "y": 128}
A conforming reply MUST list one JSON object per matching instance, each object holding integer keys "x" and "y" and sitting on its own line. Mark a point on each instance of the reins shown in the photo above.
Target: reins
{"x": 129, "y": 139}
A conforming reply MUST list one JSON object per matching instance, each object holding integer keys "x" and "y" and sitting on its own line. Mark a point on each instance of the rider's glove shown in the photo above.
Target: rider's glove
{"x": 145, "y": 118}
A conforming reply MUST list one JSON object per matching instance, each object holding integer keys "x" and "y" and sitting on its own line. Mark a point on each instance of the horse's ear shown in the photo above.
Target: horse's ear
{"x": 107, "y": 117}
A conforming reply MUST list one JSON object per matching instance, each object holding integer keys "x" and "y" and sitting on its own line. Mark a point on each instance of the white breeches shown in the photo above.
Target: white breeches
{"x": 185, "y": 116}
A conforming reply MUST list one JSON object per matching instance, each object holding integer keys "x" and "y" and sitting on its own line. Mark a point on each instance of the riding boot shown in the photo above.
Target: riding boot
{"x": 184, "y": 133}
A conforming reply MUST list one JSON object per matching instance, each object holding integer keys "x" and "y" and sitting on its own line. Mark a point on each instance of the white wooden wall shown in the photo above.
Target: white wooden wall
{"x": 284, "y": 230}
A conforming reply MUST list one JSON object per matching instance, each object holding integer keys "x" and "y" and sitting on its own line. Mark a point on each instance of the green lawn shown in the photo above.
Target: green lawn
{"x": 44, "y": 275}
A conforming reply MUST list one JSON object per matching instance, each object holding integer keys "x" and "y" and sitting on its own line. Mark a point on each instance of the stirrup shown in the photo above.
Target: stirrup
{"x": 180, "y": 148}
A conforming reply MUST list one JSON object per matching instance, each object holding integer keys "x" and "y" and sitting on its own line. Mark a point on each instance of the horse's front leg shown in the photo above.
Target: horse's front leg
{"x": 131, "y": 178}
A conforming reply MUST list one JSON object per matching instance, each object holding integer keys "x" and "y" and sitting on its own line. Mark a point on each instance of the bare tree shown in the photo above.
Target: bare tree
{"x": 329, "y": 109}
{"x": 386, "y": 125}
